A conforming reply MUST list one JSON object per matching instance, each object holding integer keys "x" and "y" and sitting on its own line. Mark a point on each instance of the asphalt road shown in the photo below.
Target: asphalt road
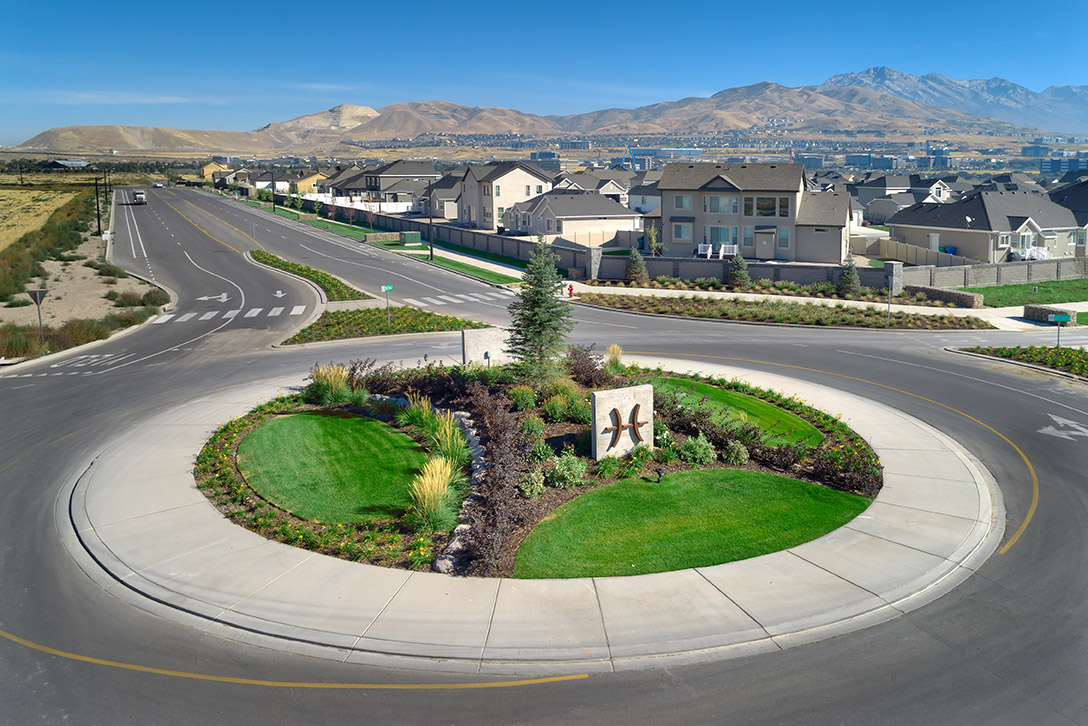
{"x": 1006, "y": 647}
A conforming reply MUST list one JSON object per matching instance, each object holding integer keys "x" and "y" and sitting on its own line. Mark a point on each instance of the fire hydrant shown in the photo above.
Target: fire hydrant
{"x": 570, "y": 290}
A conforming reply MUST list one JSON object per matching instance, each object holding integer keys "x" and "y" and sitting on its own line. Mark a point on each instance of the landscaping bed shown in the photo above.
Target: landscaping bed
{"x": 341, "y": 324}
{"x": 335, "y": 290}
{"x": 775, "y": 311}
{"x": 1070, "y": 360}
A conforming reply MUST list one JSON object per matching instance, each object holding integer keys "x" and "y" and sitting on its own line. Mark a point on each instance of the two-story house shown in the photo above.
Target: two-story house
{"x": 580, "y": 216}
{"x": 761, "y": 211}
{"x": 400, "y": 181}
{"x": 488, "y": 191}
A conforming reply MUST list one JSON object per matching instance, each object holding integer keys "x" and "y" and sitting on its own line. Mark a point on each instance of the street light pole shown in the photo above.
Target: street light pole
{"x": 97, "y": 207}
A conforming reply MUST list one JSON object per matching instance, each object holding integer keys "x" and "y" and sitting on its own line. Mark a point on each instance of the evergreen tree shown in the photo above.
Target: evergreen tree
{"x": 636, "y": 268}
{"x": 540, "y": 320}
{"x": 849, "y": 282}
{"x": 738, "y": 272}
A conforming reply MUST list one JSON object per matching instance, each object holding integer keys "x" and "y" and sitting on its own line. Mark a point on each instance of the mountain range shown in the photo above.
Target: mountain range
{"x": 877, "y": 98}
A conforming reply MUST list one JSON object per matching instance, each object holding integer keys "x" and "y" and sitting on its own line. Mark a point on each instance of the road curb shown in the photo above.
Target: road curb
{"x": 1020, "y": 363}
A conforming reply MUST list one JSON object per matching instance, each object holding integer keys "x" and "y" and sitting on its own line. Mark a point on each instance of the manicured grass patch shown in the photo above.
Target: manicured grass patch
{"x": 1070, "y": 360}
{"x": 876, "y": 263}
{"x": 775, "y": 311}
{"x": 781, "y": 425}
{"x": 692, "y": 519}
{"x": 1082, "y": 318}
{"x": 478, "y": 272}
{"x": 482, "y": 254}
{"x": 878, "y": 226}
{"x": 347, "y": 230}
{"x": 340, "y": 324}
{"x": 618, "y": 253}
{"x": 333, "y": 469}
{"x": 334, "y": 289}
{"x": 1056, "y": 291}
{"x": 286, "y": 213}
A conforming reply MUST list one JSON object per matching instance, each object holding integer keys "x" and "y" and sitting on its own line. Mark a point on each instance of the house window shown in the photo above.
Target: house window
{"x": 1081, "y": 236}
{"x": 559, "y": 226}
{"x": 487, "y": 190}
{"x": 539, "y": 188}
{"x": 720, "y": 235}
{"x": 683, "y": 201}
{"x": 749, "y": 236}
{"x": 749, "y": 206}
{"x": 1003, "y": 239}
{"x": 1025, "y": 241}
{"x": 783, "y": 206}
{"x": 765, "y": 206}
{"x": 549, "y": 225}
{"x": 783, "y": 236}
{"x": 501, "y": 210}
{"x": 821, "y": 230}
{"x": 497, "y": 190}
{"x": 527, "y": 192}
{"x": 681, "y": 232}
{"x": 721, "y": 205}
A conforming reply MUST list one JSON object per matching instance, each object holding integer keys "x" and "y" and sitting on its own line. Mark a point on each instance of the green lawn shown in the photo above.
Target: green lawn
{"x": 1058, "y": 291}
{"x": 782, "y": 425}
{"x": 876, "y": 263}
{"x": 471, "y": 270}
{"x": 482, "y": 254}
{"x": 334, "y": 288}
{"x": 331, "y": 469}
{"x": 1082, "y": 318}
{"x": 692, "y": 519}
{"x": 345, "y": 229}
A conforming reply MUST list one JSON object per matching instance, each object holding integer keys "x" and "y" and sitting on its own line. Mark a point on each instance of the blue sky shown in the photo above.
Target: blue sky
{"x": 236, "y": 66}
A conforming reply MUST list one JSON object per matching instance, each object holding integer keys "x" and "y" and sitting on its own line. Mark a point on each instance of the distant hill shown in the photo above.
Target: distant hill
{"x": 1058, "y": 108}
{"x": 834, "y": 105}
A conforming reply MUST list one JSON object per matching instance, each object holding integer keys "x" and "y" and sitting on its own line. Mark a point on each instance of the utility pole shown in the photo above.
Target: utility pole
{"x": 97, "y": 207}
{"x": 430, "y": 227}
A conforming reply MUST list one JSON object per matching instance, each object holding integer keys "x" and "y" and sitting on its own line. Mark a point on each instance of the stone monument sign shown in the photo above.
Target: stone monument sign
{"x": 623, "y": 418}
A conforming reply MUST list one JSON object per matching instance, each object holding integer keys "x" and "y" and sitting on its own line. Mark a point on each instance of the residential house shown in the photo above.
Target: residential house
{"x": 68, "y": 165}
{"x": 335, "y": 175}
{"x": 882, "y": 209}
{"x": 306, "y": 182}
{"x": 763, "y": 210}
{"x": 440, "y": 199}
{"x": 351, "y": 184}
{"x": 400, "y": 181}
{"x": 876, "y": 186}
{"x": 611, "y": 188}
{"x": 644, "y": 198}
{"x": 581, "y": 216}
{"x": 993, "y": 226}
{"x": 488, "y": 191}
{"x": 231, "y": 177}
{"x": 210, "y": 168}
{"x": 278, "y": 181}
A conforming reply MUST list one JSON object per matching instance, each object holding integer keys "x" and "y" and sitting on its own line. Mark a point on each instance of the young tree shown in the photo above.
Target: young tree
{"x": 317, "y": 208}
{"x": 370, "y": 218}
{"x": 636, "y": 268}
{"x": 540, "y": 321}
{"x": 738, "y": 272}
{"x": 652, "y": 241}
{"x": 849, "y": 282}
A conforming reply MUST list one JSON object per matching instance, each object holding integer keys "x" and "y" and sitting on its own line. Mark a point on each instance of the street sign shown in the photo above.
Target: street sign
{"x": 36, "y": 295}
{"x": 1058, "y": 318}
{"x": 387, "y": 288}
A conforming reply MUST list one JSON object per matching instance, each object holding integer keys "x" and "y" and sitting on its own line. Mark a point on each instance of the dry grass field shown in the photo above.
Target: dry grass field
{"x": 24, "y": 210}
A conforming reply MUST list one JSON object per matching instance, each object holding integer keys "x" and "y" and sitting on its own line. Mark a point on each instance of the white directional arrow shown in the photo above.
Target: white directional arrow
{"x": 221, "y": 297}
{"x": 278, "y": 293}
{"x": 1075, "y": 429}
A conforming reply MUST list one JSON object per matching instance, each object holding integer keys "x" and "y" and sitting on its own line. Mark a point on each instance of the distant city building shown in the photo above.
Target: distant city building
{"x": 812, "y": 162}
{"x": 1035, "y": 150}
{"x": 540, "y": 155}
{"x": 572, "y": 144}
{"x": 1061, "y": 166}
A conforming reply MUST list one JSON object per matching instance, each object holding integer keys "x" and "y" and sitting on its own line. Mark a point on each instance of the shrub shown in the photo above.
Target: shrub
{"x": 555, "y": 409}
{"x": 662, "y": 435}
{"x": 735, "y": 454}
{"x": 448, "y": 440}
{"x": 531, "y": 485}
{"x": 586, "y": 368}
{"x": 85, "y": 330}
{"x": 566, "y": 471}
{"x": 533, "y": 427}
{"x": 636, "y": 460}
{"x": 608, "y": 467}
{"x": 666, "y": 455}
{"x": 738, "y": 272}
{"x": 128, "y": 299}
{"x": 328, "y": 385}
{"x": 417, "y": 414}
{"x": 155, "y": 297}
{"x": 697, "y": 451}
{"x": 358, "y": 398}
{"x": 613, "y": 362}
{"x": 636, "y": 268}
{"x": 849, "y": 282}
{"x": 523, "y": 397}
{"x": 432, "y": 503}
{"x": 541, "y": 451}
{"x": 580, "y": 412}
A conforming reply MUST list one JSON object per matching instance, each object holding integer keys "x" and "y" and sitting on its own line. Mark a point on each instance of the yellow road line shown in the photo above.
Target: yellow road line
{"x": 199, "y": 227}
{"x": 1031, "y": 469}
{"x": 290, "y": 684}
{"x": 227, "y": 223}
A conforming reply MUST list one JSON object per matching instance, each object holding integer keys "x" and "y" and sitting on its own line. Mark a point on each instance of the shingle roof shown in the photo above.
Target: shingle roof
{"x": 824, "y": 209}
{"x": 403, "y": 167}
{"x": 491, "y": 172}
{"x": 1073, "y": 197}
{"x": 989, "y": 211}
{"x": 745, "y": 177}
{"x": 571, "y": 203}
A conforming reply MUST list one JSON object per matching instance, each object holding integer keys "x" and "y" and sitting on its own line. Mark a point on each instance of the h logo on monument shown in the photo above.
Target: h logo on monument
{"x": 620, "y": 418}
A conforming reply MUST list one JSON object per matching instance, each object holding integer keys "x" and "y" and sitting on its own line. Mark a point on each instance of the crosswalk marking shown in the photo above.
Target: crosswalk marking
{"x": 274, "y": 312}
{"x": 253, "y": 313}
{"x": 230, "y": 314}
{"x": 163, "y": 319}
{"x": 414, "y": 302}
{"x": 209, "y": 315}
{"x": 298, "y": 310}
{"x": 432, "y": 301}
{"x": 449, "y": 298}
{"x": 186, "y": 317}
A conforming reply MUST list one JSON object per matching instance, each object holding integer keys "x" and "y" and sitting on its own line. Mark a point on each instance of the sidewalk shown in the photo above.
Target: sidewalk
{"x": 159, "y": 544}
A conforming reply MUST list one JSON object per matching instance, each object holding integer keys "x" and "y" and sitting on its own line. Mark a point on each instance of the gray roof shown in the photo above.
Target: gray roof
{"x": 406, "y": 168}
{"x": 989, "y": 211}
{"x": 646, "y": 189}
{"x": 910, "y": 181}
{"x": 904, "y": 199}
{"x": 570, "y": 203}
{"x": 824, "y": 209}
{"x": 448, "y": 187}
{"x": 491, "y": 172}
{"x": 742, "y": 177}
{"x": 1075, "y": 198}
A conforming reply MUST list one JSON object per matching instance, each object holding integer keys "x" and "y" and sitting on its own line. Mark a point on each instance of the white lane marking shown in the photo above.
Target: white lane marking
{"x": 162, "y": 319}
{"x": 209, "y": 315}
{"x": 432, "y": 301}
{"x": 360, "y": 264}
{"x": 298, "y": 310}
{"x": 185, "y": 318}
{"x": 274, "y": 312}
{"x": 16, "y": 388}
{"x": 253, "y": 313}
{"x": 230, "y": 314}
{"x": 449, "y": 298}
{"x": 412, "y": 301}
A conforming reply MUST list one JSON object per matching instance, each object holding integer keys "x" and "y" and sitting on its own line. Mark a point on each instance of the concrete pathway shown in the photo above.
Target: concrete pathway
{"x": 159, "y": 544}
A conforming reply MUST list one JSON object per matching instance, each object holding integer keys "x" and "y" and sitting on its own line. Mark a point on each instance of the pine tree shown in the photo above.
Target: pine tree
{"x": 636, "y": 268}
{"x": 540, "y": 321}
{"x": 738, "y": 272}
{"x": 849, "y": 282}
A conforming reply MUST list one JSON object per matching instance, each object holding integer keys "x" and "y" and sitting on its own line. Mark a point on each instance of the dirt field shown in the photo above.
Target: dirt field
{"x": 23, "y": 210}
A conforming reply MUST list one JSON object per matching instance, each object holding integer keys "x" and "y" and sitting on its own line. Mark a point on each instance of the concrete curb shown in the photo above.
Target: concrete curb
{"x": 145, "y": 534}
{"x": 1019, "y": 363}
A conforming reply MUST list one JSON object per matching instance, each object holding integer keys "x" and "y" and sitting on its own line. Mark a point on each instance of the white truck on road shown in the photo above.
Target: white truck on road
{"x": 139, "y": 197}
